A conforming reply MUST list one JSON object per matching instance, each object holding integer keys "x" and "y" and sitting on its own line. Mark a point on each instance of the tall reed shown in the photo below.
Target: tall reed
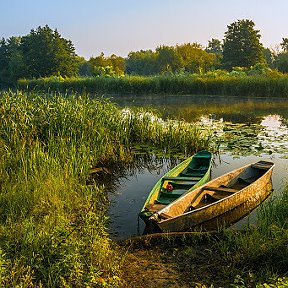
{"x": 53, "y": 225}
{"x": 269, "y": 85}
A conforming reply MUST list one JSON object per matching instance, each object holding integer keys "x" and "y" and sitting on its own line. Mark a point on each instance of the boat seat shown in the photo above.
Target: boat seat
{"x": 262, "y": 165}
{"x": 192, "y": 174}
{"x": 177, "y": 178}
{"x": 154, "y": 207}
{"x": 172, "y": 194}
{"x": 180, "y": 185}
{"x": 164, "y": 200}
{"x": 246, "y": 181}
{"x": 164, "y": 216}
{"x": 217, "y": 196}
{"x": 197, "y": 170}
{"x": 220, "y": 189}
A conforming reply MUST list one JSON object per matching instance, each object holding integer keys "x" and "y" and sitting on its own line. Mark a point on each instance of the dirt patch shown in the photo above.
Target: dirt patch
{"x": 148, "y": 268}
{"x": 161, "y": 262}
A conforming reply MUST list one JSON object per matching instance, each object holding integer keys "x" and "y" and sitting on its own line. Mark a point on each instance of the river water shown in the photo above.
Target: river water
{"x": 254, "y": 129}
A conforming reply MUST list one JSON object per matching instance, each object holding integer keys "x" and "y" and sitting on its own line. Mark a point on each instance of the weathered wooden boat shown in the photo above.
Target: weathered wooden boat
{"x": 188, "y": 175}
{"x": 218, "y": 203}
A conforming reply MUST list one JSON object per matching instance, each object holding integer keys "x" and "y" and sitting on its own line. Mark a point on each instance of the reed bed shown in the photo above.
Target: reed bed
{"x": 269, "y": 85}
{"x": 53, "y": 224}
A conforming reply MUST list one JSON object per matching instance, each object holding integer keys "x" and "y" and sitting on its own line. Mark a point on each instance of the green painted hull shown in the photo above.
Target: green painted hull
{"x": 188, "y": 175}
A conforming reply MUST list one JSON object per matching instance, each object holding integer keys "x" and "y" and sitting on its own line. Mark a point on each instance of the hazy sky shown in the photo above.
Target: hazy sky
{"x": 121, "y": 26}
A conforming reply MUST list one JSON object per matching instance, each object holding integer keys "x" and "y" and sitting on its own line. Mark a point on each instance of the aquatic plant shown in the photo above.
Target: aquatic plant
{"x": 268, "y": 85}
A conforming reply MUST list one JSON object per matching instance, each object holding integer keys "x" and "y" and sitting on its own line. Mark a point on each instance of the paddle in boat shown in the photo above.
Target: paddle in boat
{"x": 218, "y": 203}
{"x": 188, "y": 175}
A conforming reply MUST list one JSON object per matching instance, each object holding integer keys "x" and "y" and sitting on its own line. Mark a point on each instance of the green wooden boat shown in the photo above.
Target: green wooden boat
{"x": 188, "y": 175}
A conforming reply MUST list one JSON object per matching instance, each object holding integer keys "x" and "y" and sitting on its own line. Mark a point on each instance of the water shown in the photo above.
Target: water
{"x": 256, "y": 128}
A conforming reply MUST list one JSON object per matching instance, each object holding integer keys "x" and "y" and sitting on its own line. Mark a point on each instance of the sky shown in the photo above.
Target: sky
{"x": 121, "y": 26}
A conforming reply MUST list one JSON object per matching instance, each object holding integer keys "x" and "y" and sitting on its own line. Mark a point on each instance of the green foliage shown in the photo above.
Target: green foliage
{"x": 269, "y": 57}
{"x": 167, "y": 59}
{"x": 188, "y": 57}
{"x": 12, "y": 65}
{"x": 263, "y": 82}
{"x": 47, "y": 53}
{"x": 194, "y": 59}
{"x": 43, "y": 52}
{"x": 53, "y": 224}
{"x": 284, "y": 44}
{"x": 242, "y": 45}
{"x": 215, "y": 46}
{"x": 141, "y": 63}
{"x": 103, "y": 66}
{"x": 281, "y": 62}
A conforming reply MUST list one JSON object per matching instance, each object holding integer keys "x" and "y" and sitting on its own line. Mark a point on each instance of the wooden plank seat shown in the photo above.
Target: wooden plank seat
{"x": 154, "y": 207}
{"x": 246, "y": 181}
{"x": 217, "y": 195}
{"x": 164, "y": 216}
{"x": 220, "y": 189}
{"x": 180, "y": 178}
{"x": 181, "y": 186}
{"x": 262, "y": 165}
{"x": 172, "y": 194}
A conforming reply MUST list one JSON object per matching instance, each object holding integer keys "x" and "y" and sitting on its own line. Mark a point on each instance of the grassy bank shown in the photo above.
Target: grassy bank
{"x": 254, "y": 257}
{"x": 255, "y": 86}
{"x": 52, "y": 223}
{"x": 249, "y": 258}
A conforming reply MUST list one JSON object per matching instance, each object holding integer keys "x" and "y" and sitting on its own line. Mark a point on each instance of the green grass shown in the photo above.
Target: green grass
{"x": 53, "y": 224}
{"x": 268, "y": 85}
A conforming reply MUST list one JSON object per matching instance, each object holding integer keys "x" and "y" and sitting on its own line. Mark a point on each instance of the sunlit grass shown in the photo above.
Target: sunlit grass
{"x": 53, "y": 225}
{"x": 269, "y": 85}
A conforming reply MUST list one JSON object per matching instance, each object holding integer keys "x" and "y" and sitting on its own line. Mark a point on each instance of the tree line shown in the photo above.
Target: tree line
{"x": 44, "y": 52}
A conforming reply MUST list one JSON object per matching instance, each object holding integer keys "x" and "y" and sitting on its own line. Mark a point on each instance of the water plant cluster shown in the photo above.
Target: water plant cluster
{"x": 53, "y": 219}
{"x": 270, "y": 85}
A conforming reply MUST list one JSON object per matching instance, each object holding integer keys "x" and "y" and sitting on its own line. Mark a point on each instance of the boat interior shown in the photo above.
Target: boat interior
{"x": 173, "y": 187}
{"x": 211, "y": 194}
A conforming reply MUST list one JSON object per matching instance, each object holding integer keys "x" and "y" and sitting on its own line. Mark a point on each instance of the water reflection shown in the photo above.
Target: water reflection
{"x": 133, "y": 190}
{"x": 191, "y": 108}
{"x": 274, "y": 136}
{"x": 251, "y": 130}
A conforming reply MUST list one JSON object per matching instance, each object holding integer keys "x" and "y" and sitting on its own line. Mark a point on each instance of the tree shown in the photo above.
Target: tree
{"x": 47, "y": 53}
{"x": 269, "y": 57}
{"x": 284, "y": 44}
{"x": 214, "y": 46}
{"x": 242, "y": 45}
{"x": 118, "y": 64}
{"x": 167, "y": 59}
{"x": 101, "y": 65}
{"x": 12, "y": 66}
{"x": 281, "y": 62}
{"x": 143, "y": 62}
{"x": 194, "y": 59}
